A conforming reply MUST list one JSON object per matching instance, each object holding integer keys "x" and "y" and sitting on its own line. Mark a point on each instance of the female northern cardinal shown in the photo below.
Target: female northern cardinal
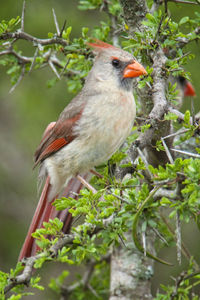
{"x": 89, "y": 130}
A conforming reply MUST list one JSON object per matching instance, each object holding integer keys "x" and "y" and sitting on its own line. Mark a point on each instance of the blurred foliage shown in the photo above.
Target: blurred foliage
{"x": 39, "y": 98}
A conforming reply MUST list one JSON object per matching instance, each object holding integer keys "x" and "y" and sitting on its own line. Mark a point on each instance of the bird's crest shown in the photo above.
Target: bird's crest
{"x": 100, "y": 45}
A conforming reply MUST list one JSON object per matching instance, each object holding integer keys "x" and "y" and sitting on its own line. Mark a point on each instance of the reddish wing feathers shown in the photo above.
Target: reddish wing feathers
{"x": 60, "y": 135}
{"x": 53, "y": 147}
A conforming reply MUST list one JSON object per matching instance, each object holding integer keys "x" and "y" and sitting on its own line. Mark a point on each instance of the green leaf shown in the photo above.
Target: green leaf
{"x": 184, "y": 20}
{"x": 151, "y": 18}
{"x": 34, "y": 283}
{"x": 187, "y": 117}
{"x": 15, "y": 297}
{"x": 66, "y": 33}
{"x": 165, "y": 201}
{"x": 171, "y": 116}
{"x": 39, "y": 262}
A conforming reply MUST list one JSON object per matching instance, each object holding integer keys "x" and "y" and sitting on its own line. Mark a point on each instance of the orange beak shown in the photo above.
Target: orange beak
{"x": 134, "y": 70}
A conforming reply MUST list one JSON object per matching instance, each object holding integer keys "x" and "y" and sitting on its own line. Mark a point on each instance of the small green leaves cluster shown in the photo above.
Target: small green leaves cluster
{"x": 73, "y": 56}
{"x": 8, "y": 26}
{"x": 113, "y": 7}
{"x": 18, "y": 290}
{"x": 185, "y": 174}
{"x": 185, "y": 284}
{"x": 89, "y": 4}
{"x": 162, "y": 32}
{"x": 51, "y": 228}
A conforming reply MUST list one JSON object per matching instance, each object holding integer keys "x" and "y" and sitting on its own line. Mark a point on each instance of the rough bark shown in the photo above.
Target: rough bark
{"x": 134, "y": 12}
{"x": 131, "y": 272}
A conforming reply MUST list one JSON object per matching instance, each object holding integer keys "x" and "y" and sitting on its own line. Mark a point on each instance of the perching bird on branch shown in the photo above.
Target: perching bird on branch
{"x": 89, "y": 130}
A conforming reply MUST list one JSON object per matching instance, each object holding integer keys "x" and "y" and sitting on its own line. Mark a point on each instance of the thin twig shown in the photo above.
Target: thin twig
{"x": 186, "y": 153}
{"x": 184, "y": 2}
{"x": 160, "y": 236}
{"x": 56, "y": 22}
{"x": 175, "y": 134}
{"x": 182, "y": 56}
{"x": 21, "y": 59}
{"x": 66, "y": 291}
{"x": 86, "y": 184}
{"x": 93, "y": 291}
{"x": 178, "y": 113}
{"x": 178, "y": 237}
{"x": 167, "y": 151}
{"x": 184, "y": 249}
{"x": 19, "y": 79}
{"x": 144, "y": 243}
{"x": 114, "y": 21}
{"x": 54, "y": 69}
{"x": 63, "y": 28}
{"x": 118, "y": 197}
{"x": 33, "y": 61}
{"x": 63, "y": 70}
{"x": 145, "y": 162}
{"x": 23, "y": 15}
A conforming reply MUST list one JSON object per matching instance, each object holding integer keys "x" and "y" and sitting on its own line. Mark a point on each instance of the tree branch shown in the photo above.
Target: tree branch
{"x": 67, "y": 239}
{"x": 21, "y": 59}
{"x": 25, "y": 36}
{"x": 66, "y": 291}
{"x": 134, "y": 12}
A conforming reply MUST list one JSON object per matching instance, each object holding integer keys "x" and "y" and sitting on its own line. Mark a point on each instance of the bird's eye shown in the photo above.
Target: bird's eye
{"x": 116, "y": 63}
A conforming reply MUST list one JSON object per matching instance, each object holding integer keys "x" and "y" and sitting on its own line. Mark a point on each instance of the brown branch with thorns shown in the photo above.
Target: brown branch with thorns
{"x": 36, "y": 41}
{"x": 66, "y": 291}
{"x": 67, "y": 239}
{"x": 50, "y": 57}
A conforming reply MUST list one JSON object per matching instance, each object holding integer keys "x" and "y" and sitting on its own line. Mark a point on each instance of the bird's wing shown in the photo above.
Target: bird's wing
{"x": 60, "y": 134}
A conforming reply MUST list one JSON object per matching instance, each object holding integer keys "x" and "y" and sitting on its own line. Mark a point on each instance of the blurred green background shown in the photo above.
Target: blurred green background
{"x": 25, "y": 113}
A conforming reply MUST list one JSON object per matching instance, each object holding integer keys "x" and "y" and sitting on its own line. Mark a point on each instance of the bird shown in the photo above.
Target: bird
{"x": 187, "y": 87}
{"x": 88, "y": 131}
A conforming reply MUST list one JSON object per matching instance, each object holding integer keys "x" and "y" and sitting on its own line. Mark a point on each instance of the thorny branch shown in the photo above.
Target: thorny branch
{"x": 49, "y": 57}
{"x": 160, "y": 104}
{"x": 67, "y": 239}
{"x": 36, "y": 41}
{"x": 115, "y": 29}
{"x": 66, "y": 291}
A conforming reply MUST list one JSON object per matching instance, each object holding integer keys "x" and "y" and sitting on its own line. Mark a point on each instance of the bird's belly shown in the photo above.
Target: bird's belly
{"x": 97, "y": 139}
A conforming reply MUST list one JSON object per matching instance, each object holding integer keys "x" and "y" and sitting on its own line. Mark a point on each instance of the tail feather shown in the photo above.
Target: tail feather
{"x": 46, "y": 211}
{"x": 28, "y": 243}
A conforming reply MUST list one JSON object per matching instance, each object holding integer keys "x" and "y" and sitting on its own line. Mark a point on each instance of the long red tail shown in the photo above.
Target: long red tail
{"x": 46, "y": 211}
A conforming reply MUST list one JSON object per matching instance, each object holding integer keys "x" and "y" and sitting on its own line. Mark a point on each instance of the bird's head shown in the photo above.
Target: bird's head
{"x": 115, "y": 65}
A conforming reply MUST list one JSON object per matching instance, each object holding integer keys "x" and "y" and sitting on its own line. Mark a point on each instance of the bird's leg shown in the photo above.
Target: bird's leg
{"x": 86, "y": 184}
{"x": 94, "y": 172}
